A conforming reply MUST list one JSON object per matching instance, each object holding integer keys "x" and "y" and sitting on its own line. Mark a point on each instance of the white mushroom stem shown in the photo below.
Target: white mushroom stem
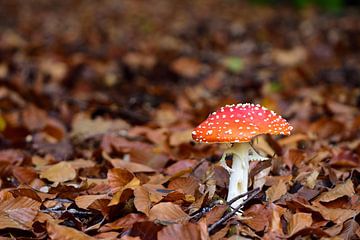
{"x": 242, "y": 154}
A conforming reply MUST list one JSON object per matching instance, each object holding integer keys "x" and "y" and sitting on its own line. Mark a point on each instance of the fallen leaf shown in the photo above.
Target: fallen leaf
{"x": 60, "y": 172}
{"x": 186, "y": 67}
{"x": 85, "y": 201}
{"x": 187, "y": 185}
{"x": 124, "y": 222}
{"x": 310, "y": 181}
{"x": 168, "y": 212}
{"x": 59, "y": 232}
{"x": 276, "y": 191}
{"x": 180, "y": 137}
{"x": 344, "y": 189}
{"x": 182, "y": 232}
{"x": 83, "y": 127}
{"x": 18, "y": 213}
{"x": 350, "y": 230}
{"x": 257, "y": 217}
{"x": 118, "y": 178}
{"x": 298, "y": 222}
{"x": 215, "y": 214}
{"x": 130, "y": 166}
{"x": 145, "y": 230}
{"x": 142, "y": 200}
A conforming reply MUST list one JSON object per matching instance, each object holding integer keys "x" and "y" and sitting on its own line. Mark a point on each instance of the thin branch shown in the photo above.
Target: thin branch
{"x": 242, "y": 195}
{"x": 230, "y": 214}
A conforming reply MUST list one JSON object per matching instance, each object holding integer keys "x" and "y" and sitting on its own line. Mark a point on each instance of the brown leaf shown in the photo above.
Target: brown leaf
{"x": 83, "y": 127}
{"x": 293, "y": 157}
{"x": 344, "y": 189}
{"x": 168, "y": 212}
{"x": 187, "y": 185}
{"x": 345, "y": 159}
{"x": 59, "y": 232}
{"x": 276, "y": 191}
{"x": 82, "y": 163}
{"x": 131, "y": 166}
{"x": 180, "y": 137}
{"x": 298, "y": 222}
{"x": 24, "y": 174}
{"x": 142, "y": 200}
{"x": 215, "y": 214}
{"x": 34, "y": 117}
{"x": 145, "y": 230}
{"x": 350, "y": 230}
{"x": 60, "y": 172}
{"x": 337, "y": 215}
{"x": 18, "y": 213}
{"x": 124, "y": 222}
{"x": 275, "y": 223}
{"x": 183, "y": 165}
{"x": 186, "y": 67}
{"x": 85, "y": 201}
{"x": 257, "y": 217}
{"x": 118, "y": 178}
{"x": 182, "y": 232}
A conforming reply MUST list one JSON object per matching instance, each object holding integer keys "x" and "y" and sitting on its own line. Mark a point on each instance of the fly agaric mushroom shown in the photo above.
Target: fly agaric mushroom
{"x": 238, "y": 124}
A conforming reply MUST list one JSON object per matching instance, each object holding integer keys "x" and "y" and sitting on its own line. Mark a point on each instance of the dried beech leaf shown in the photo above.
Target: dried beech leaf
{"x": 350, "y": 230}
{"x": 182, "y": 232}
{"x": 298, "y": 222}
{"x": 187, "y": 185}
{"x": 124, "y": 222}
{"x": 131, "y": 166}
{"x": 85, "y": 201}
{"x": 60, "y": 172}
{"x": 180, "y": 137}
{"x": 83, "y": 127}
{"x": 18, "y": 213}
{"x": 257, "y": 217}
{"x": 344, "y": 189}
{"x": 168, "y": 212}
{"x": 142, "y": 200}
{"x": 276, "y": 191}
{"x": 186, "y": 67}
{"x": 215, "y": 214}
{"x": 118, "y": 178}
{"x": 59, "y": 232}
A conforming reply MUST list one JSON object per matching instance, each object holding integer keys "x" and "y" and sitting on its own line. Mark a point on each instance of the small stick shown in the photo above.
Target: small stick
{"x": 242, "y": 195}
{"x": 230, "y": 214}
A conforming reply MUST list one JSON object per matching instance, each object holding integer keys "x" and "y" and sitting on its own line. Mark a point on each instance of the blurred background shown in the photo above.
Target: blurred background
{"x": 145, "y": 60}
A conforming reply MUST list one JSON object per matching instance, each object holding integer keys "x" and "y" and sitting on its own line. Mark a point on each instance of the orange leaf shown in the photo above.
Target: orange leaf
{"x": 60, "y": 172}
{"x": 182, "y": 232}
{"x": 168, "y": 212}
{"x": 59, "y": 232}
{"x": 118, "y": 178}
{"x": 344, "y": 189}
{"x": 257, "y": 217}
{"x": 298, "y": 222}
{"x": 276, "y": 191}
{"x": 124, "y": 222}
{"x": 85, "y": 201}
{"x": 142, "y": 200}
{"x": 187, "y": 185}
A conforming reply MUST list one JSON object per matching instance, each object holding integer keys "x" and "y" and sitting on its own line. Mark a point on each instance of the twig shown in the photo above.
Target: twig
{"x": 230, "y": 214}
{"x": 242, "y": 195}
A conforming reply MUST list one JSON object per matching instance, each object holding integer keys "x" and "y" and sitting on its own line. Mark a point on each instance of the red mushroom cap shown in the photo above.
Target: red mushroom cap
{"x": 240, "y": 123}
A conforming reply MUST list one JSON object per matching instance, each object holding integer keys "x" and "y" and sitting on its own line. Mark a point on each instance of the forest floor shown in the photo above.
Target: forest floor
{"x": 98, "y": 101}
